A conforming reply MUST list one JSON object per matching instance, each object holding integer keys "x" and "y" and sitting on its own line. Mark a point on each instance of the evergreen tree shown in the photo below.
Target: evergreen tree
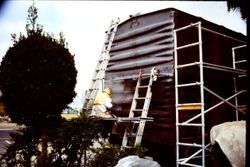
{"x": 240, "y": 5}
{"x": 38, "y": 78}
{"x": 37, "y": 75}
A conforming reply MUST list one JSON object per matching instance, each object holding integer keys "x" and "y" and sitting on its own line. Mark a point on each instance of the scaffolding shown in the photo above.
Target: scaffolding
{"x": 198, "y": 148}
{"x": 239, "y": 62}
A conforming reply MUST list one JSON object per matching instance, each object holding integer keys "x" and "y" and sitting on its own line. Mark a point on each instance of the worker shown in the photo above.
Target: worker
{"x": 102, "y": 104}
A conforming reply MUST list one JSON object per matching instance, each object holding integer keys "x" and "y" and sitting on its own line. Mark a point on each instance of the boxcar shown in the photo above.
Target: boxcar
{"x": 152, "y": 40}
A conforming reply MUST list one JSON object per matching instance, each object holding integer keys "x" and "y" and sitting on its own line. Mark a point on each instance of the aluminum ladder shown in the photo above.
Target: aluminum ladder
{"x": 97, "y": 82}
{"x": 134, "y": 132}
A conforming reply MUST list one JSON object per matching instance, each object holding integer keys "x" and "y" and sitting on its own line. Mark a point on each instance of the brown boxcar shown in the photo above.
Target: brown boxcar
{"x": 146, "y": 41}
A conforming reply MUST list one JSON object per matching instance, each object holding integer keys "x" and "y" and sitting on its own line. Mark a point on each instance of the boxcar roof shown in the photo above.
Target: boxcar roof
{"x": 180, "y": 16}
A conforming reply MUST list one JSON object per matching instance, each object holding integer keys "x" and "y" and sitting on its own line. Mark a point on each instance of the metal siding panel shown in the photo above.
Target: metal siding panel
{"x": 140, "y": 44}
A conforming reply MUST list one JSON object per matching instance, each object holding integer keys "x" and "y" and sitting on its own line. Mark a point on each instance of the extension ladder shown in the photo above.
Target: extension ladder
{"x": 97, "y": 82}
{"x": 133, "y": 133}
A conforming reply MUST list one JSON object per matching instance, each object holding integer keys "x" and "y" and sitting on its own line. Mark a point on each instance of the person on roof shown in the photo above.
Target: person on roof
{"x": 102, "y": 104}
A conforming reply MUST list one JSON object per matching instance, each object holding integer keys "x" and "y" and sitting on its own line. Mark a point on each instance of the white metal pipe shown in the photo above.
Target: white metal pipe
{"x": 188, "y": 65}
{"x": 189, "y": 164}
{"x": 221, "y": 98}
{"x": 241, "y": 61}
{"x": 176, "y": 98}
{"x": 211, "y": 108}
{"x": 185, "y": 160}
{"x": 188, "y": 45}
{"x": 223, "y": 68}
{"x": 189, "y": 124}
{"x": 211, "y": 31}
{"x": 202, "y": 94}
{"x": 188, "y": 104}
{"x": 186, "y": 27}
{"x": 192, "y": 156}
{"x": 235, "y": 79}
{"x": 189, "y": 84}
{"x": 224, "y": 35}
{"x": 190, "y": 144}
{"x": 238, "y": 47}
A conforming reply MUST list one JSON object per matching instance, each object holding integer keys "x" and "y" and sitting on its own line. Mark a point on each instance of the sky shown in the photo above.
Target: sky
{"x": 84, "y": 24}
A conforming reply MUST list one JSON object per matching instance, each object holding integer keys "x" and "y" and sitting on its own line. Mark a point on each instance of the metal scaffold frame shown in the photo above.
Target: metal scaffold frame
{"x": 203, "y": 145}
{"x": 236, "y": 89}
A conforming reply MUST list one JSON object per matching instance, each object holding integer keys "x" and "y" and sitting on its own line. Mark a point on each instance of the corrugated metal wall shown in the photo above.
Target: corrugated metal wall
{"x": 142, "y": 43}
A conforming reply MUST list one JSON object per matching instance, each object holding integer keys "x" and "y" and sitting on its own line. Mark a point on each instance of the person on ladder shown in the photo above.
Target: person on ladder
{"x": 103, "y": 104}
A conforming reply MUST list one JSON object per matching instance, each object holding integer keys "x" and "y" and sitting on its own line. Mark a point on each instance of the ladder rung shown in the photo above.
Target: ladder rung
{"x": 144, "y": 86}
{"x": 133, "y": 119}
{"x": 140, "y": 98}
{"x": 89, "y": 98}
{"x": 100, "y": 69}
{"x": 103, "y": 59}
{"x": 190, "y": 144}
{"x": 146, "y": 118}
{"x": 137, "y": 110}
{"x": 131, "y": 135}
{"x": 128, "y": 147}
{"x": 103, "y": 51}
{"x": 189, "y": 84}
{"x": 143, "y": 112}
{"x": 96, "y": 79}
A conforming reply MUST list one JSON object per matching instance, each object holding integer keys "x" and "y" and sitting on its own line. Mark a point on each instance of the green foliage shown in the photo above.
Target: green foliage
{"x": 240, "y": 5}
{"x": 23, "y": 148}
{"x": 108, "y": 155}
{"x": 31, "y": 25}
{"x": 67, "y": 144}
{"x": 38, "y": 76}
{"x": 71, "y": 141}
